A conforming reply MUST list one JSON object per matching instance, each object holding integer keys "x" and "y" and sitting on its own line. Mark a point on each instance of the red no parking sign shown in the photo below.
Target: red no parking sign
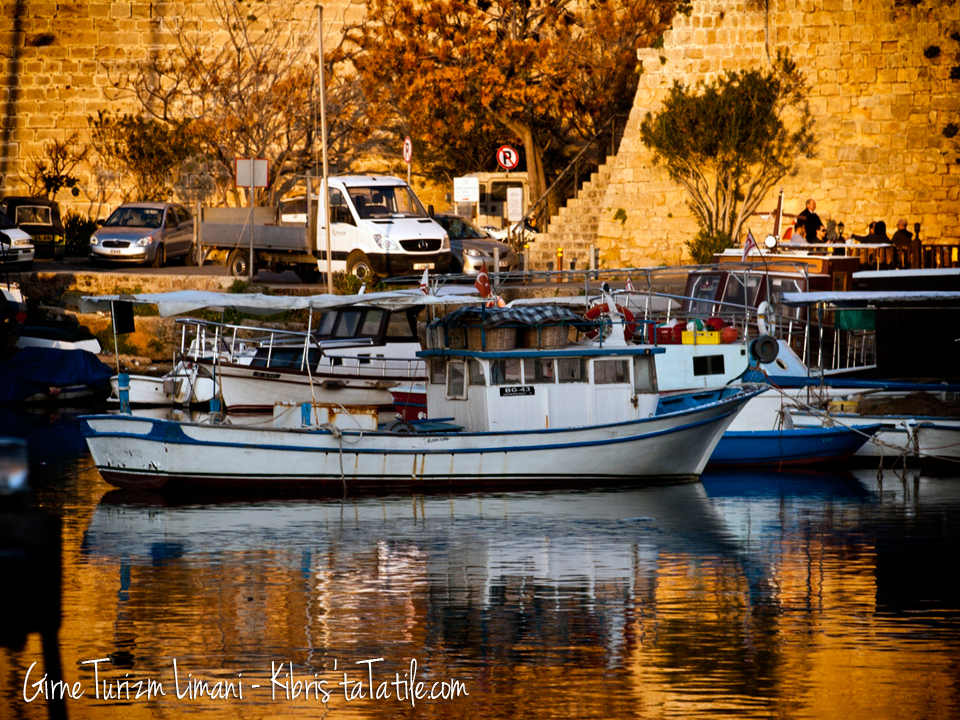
{"x": 507, "y": 157}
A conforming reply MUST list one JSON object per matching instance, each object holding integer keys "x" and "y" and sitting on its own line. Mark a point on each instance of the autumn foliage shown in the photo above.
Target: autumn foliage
{"x": 463, "y": 74}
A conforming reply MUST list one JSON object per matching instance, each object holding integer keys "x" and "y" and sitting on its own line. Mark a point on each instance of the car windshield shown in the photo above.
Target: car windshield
{"x": 33, "y": 215}
{"x": 5, "y": 222}
{"x": 135, "y": 217}
{"x": 386, "y": 202}
{"x": 459, "y": 229}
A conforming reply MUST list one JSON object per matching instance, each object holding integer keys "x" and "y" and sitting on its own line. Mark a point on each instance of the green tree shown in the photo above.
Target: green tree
{"x": 728, "y": 143}
{"x": 456, "y": 74}
{"x": 147, "y": 150}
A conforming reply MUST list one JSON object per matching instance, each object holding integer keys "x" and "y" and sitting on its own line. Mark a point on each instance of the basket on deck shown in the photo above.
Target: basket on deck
{"x": 497, "y": 338}
{"x": 542, "y": 337}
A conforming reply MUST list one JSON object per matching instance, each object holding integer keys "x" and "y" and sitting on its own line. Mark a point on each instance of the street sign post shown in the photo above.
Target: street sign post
{"x": 251, "y": 173}
{"x": 408, "y": 155}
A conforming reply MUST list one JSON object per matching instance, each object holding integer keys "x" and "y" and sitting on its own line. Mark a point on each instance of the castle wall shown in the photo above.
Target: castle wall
{"x": 880, "y": 108}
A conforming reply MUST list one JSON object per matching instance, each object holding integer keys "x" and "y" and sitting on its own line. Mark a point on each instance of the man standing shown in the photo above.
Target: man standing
{"x": 810, "y": 220}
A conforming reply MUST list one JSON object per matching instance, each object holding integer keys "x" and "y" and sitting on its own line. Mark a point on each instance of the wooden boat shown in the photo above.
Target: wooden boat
{"x": 500, "y": 416}
{"x": 939, "y": 447}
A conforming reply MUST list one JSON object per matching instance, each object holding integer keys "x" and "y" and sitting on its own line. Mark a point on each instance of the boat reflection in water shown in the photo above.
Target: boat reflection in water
{"x": 747, "y": 594}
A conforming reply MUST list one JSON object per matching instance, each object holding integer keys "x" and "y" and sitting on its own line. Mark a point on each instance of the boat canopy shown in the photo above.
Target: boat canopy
{"x": 867, "y": 297}
{"x": 186, "y": 301}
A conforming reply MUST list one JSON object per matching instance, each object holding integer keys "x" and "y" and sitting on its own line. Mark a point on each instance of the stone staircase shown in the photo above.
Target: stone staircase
{"x": 574, "y": 228}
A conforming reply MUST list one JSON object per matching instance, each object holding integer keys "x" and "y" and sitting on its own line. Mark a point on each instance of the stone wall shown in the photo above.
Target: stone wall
{"x": 58, "y": 61}
{"x": 880, "y": 106}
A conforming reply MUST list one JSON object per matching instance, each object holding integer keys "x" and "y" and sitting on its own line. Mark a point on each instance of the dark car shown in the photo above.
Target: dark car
{"x": 40, "y": 219}
{"x": 471, "y": 248}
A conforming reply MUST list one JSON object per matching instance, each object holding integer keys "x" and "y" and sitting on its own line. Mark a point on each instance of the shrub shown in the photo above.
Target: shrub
{"x": 77, "y": 230}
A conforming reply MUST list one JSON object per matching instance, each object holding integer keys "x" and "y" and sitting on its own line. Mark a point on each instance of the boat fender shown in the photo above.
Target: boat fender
{"x": 765, "y": 349}
{"x": 629, "y": 328}
{"x": 766, "y": 319}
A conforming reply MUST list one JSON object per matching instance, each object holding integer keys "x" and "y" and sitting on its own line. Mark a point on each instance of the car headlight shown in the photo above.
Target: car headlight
{"x": 445, "y": 245}
{"x": 94, "y": 240}
{"x": 20, "y": 243}
{"x": 472, "y": 252}
{"x": 385, "y": 244}
{"x": 144, "y": 241}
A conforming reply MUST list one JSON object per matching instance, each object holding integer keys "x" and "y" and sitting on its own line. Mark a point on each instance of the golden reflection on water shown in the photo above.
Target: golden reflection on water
{"x": 618, "y": 609}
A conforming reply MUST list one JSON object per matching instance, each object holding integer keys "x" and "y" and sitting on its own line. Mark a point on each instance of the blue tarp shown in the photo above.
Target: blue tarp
{"x": 37, "y": 369}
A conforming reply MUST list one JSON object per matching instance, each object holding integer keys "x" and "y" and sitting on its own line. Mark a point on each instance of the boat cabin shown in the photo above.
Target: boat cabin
{"x": 497, "y": 391}
{"x": 347, "y": 340}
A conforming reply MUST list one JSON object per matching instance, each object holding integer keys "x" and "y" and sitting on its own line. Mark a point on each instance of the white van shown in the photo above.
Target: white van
{"x": 378, "y": 226}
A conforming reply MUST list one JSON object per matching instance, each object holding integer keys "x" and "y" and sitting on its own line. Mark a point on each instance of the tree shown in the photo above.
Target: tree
{"x": 149, "y": 151}
{"x": 54, "y": 172}
{"x": 458, "y": 72}
{"x": 247, "y": 83}
{"x": 728, "y": 143}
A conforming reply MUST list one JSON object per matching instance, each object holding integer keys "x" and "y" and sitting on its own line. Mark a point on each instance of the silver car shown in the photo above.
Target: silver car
{"x": 471, "y": 247}
{"x": 144, "y": 232}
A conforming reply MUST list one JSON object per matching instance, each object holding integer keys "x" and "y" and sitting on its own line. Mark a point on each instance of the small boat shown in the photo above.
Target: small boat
{"x": 939, "y": 447}
{"x": 500, "y": 415}
{"x": 791, "y": 446}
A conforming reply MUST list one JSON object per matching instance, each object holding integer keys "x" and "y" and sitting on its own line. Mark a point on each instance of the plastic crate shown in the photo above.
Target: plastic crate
{"x": 669, "y": 335}
{"x": 700, "y": 337}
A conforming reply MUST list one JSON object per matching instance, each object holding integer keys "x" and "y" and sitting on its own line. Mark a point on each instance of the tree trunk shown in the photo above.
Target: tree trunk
{"x": 535, "y": 177}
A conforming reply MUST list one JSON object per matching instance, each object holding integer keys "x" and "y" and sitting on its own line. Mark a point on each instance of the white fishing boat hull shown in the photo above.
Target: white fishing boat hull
{"x": 939, "y": 446}
{"x": 148, "y": 453}
{"x": 184, "y": 385}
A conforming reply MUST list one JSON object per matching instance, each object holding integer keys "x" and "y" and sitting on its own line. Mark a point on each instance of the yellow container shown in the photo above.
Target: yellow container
{"x": 843, "y": 406}
{"x": 700, "y": 337}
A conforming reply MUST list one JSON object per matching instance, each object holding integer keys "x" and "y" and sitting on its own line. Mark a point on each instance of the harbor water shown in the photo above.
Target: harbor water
{"x": 809, "y": 594}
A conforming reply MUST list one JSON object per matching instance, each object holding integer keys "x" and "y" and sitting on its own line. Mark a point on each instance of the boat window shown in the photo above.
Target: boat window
{"x": 703, "y": 288}
{"x": 778, "y": 286}
{"x": 349, "y": 322}
{"x": 326, "y": 323}
{"x": 571, "y": 370}
{"x": 456, "y": 381}
{"x": 438, "y": 371}
{"x": 290, "y": 358}
{"x": 505, "y": 372}
{"x": 476, "y": 373}
{"x": 372, "y": 323}
{"x": 708, "y": 365}
{"x": 538, "y": 370}
{"x": 610, "y": 372}
{"x": 733, "y": 292}
{"x": 644, "y": 374}
{"x": 402, "y": 326}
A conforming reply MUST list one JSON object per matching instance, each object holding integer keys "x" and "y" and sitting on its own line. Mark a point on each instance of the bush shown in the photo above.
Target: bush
{"x": 78, "y": 230}
{"x": 347, "y": 284}
{"x": 705, "y": 245}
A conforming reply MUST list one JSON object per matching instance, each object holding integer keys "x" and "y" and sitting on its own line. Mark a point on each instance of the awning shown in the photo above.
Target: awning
{"x": 182, "y": 302}
{"x": 868, "y": 297}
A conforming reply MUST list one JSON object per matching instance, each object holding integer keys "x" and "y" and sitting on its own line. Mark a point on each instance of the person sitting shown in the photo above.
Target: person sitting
{"x": 901, "y": 245}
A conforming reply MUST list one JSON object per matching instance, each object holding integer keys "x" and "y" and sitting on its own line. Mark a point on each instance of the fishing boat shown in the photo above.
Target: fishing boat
{"x": 791, "y": 446}
{"x": 499, "y": 415}
{"x": 938, "y": 446}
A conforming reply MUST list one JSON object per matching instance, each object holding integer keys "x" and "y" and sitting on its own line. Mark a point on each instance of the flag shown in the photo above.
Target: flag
{"x": 629, "y": 286}
{"x": 482, "y": 282}
{"x": 749, "y": 245}
{"x": 425, "y": 282}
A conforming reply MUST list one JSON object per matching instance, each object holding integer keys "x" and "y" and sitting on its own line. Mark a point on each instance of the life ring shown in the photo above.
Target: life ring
{"x": 629, "y": 328}
{"x": 766, "y": 319}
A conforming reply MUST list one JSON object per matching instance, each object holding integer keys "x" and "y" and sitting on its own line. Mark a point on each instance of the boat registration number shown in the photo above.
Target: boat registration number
{"x": 423, "y": 266}
{"x": 516, "y": 391}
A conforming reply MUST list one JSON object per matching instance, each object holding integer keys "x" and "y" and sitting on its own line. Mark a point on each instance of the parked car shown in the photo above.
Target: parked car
{"x": 40, "y": 219}
{"x": 144, "y": 232}
{"x": 471, "y": 247}
{"x": 16, "y": 247}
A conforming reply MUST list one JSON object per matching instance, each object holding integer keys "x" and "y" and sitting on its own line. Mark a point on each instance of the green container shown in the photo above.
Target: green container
{"x": 855, "y": 320}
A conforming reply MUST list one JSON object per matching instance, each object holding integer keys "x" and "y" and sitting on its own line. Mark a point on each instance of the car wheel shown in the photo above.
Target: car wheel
{"x": 160, "y": 259}
{"x": 358, "y": 264}
{"x": 239, "y": 263}
{"x": 59, "y": 253}
{"x": 190, "y": 259}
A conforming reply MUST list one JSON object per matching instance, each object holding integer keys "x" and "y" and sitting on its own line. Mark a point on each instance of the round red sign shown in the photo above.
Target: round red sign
{"x": 407, "y": 150}
{"x": 508, "y": 157}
